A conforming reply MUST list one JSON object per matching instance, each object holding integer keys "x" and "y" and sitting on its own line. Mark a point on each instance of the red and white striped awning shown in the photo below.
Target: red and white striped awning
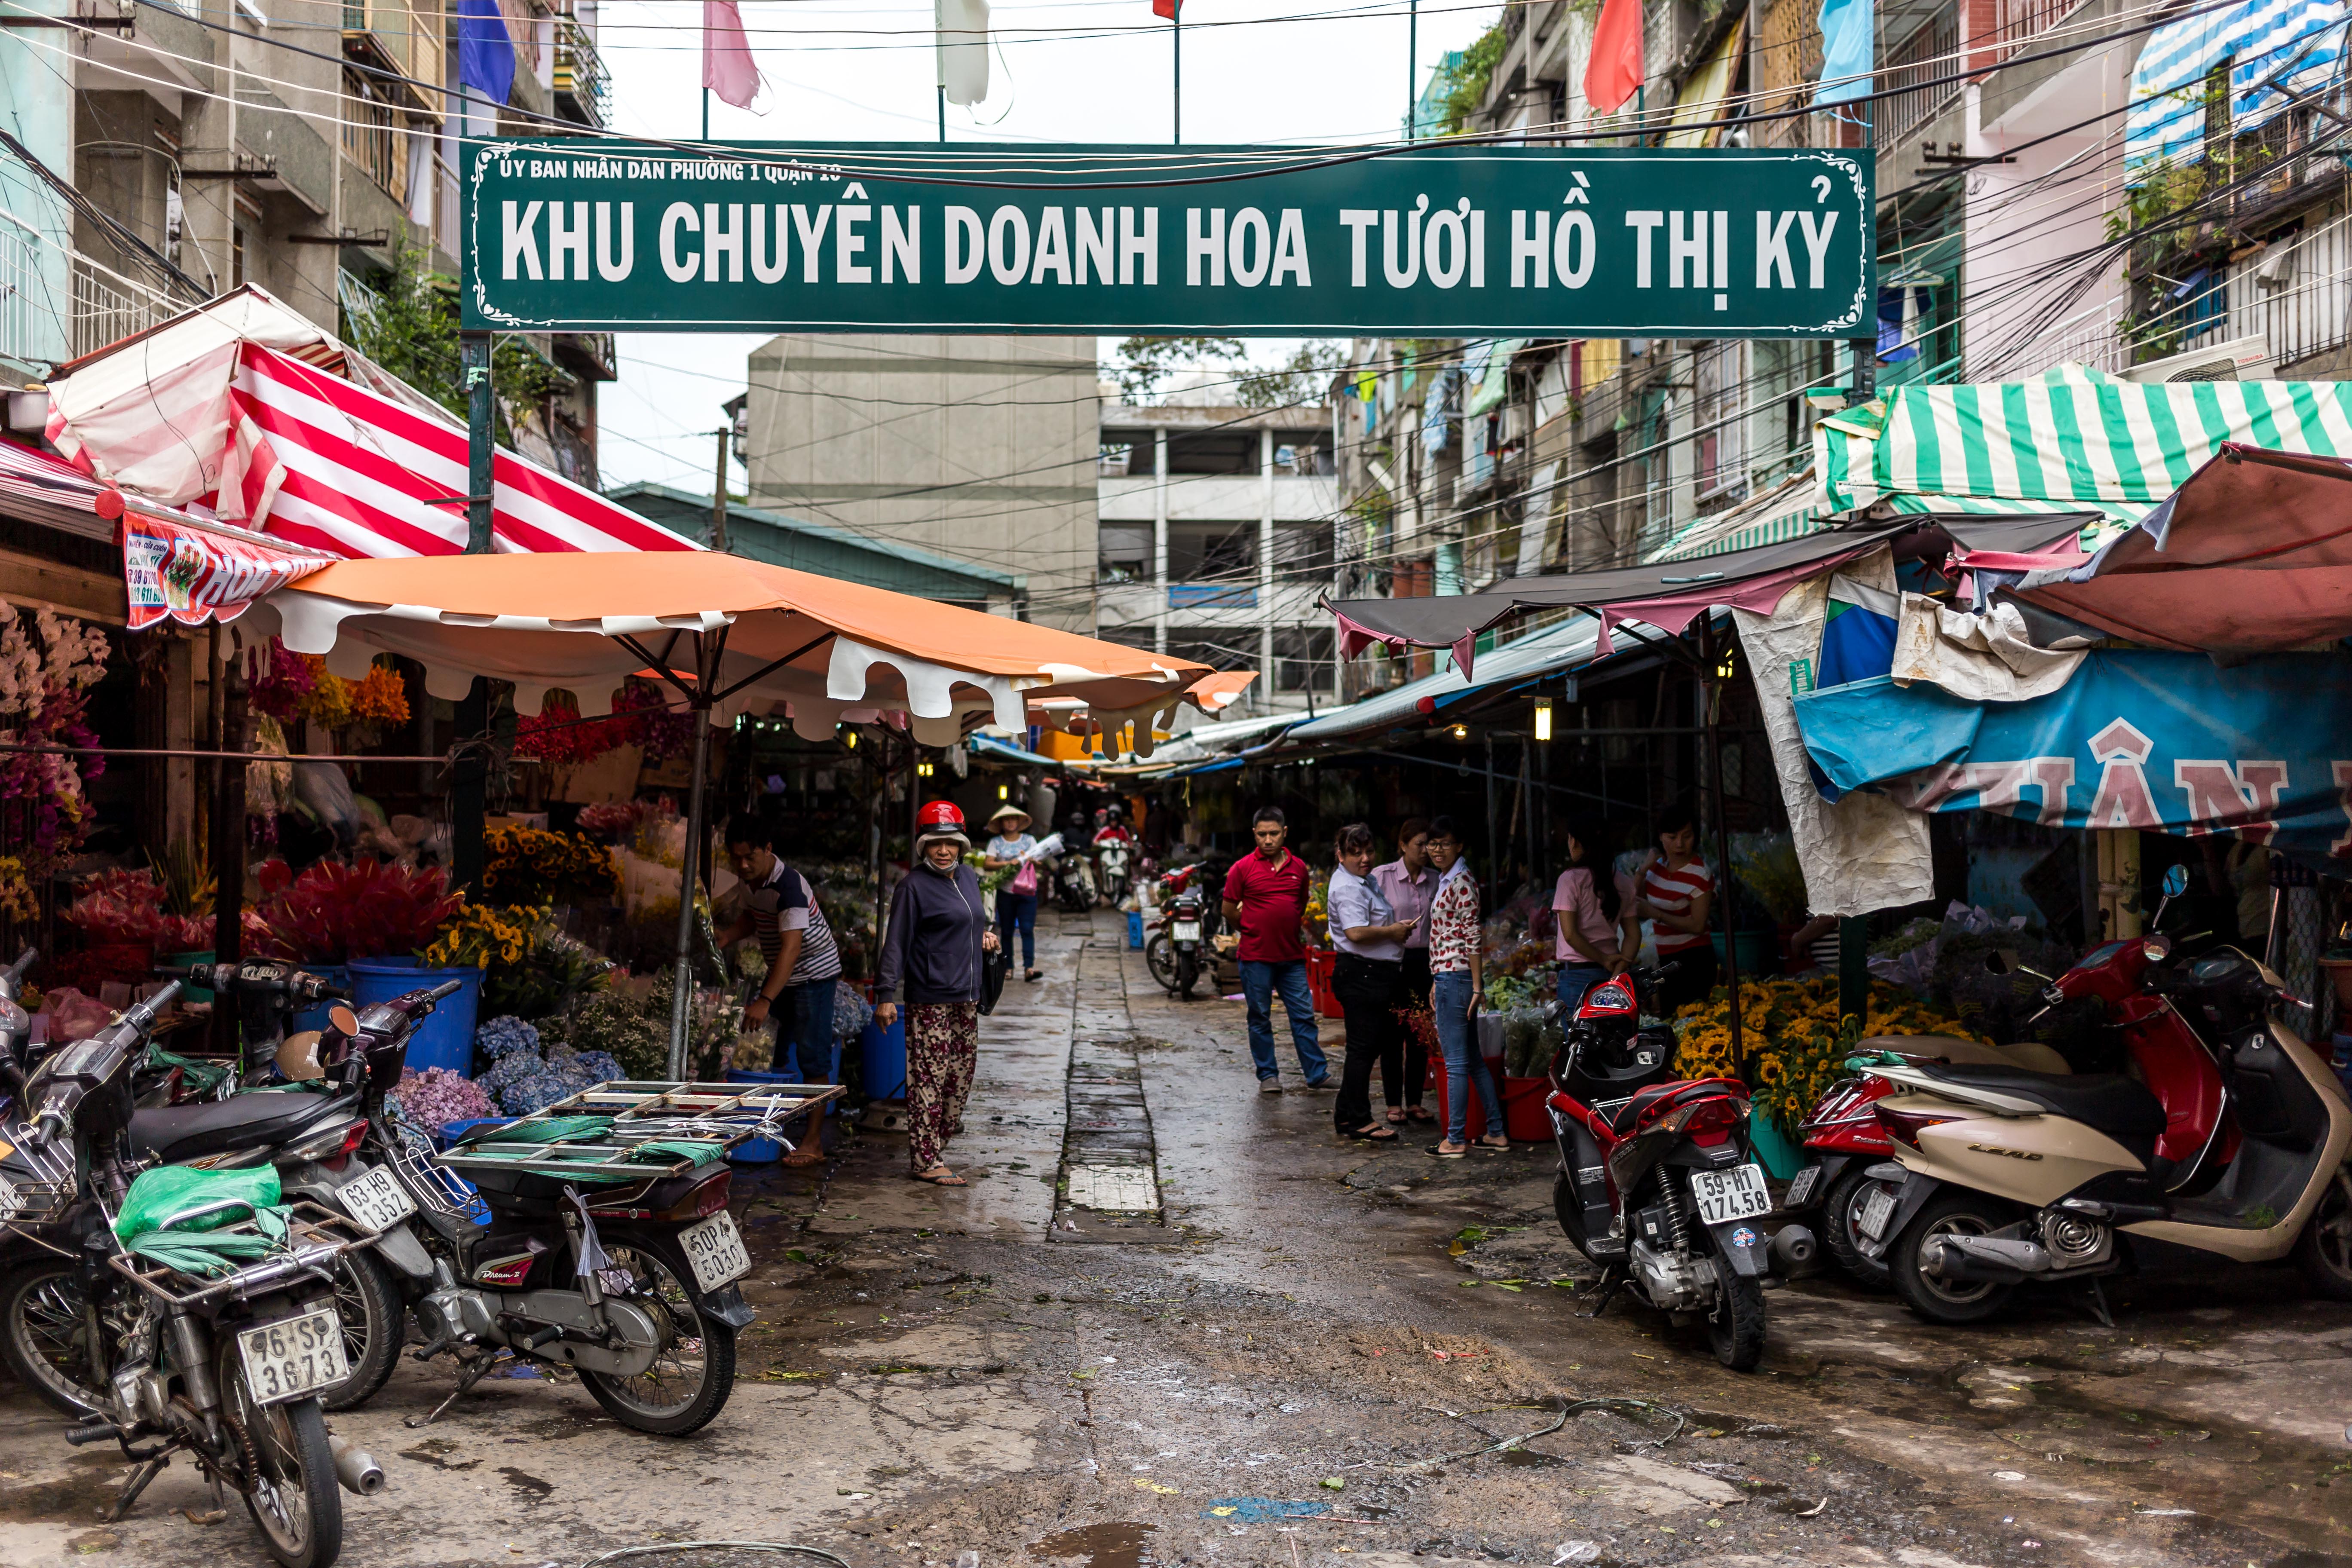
{"x": 235, "y": 407}
{"x": 325, "y": 462}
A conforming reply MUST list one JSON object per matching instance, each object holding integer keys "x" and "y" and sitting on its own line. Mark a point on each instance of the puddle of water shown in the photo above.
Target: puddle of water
{"x": 1122, "y": 1543}
{"x": 1530, "y": 1457}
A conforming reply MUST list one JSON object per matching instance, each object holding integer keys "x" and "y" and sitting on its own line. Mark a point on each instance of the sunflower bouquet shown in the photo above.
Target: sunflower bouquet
{"x": 1795, "y": 1040}
{"x": 532, "y": 866}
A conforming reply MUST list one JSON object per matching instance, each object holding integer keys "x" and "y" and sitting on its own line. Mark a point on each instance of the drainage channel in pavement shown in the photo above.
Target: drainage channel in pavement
{"x": 1110, "y": 1186}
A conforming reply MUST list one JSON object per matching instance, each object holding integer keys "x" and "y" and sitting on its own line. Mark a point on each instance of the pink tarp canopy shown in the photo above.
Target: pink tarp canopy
{"x": 2252, "y": 553}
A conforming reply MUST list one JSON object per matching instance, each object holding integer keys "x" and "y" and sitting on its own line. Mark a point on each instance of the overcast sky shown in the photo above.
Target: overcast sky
{"x": 1337, "y": 72}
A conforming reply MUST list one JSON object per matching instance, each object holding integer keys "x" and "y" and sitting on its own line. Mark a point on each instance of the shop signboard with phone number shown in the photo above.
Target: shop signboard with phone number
{"x": 1443, "y": 240}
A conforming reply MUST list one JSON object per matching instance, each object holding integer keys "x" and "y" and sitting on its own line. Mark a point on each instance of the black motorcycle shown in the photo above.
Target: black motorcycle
{"x": 216, "y": 1344}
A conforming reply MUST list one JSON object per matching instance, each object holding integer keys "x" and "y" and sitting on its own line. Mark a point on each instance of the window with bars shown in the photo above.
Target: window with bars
{"x": 368, "y": 138}
{"x": 1721, "y": 460}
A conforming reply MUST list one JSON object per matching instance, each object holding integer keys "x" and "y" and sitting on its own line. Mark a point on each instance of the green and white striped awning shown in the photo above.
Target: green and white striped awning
{"x": 2069, "y": 436}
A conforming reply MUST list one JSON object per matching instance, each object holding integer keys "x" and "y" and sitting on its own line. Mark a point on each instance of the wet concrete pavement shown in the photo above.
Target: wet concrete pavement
{"x": 1311, "y": 1351}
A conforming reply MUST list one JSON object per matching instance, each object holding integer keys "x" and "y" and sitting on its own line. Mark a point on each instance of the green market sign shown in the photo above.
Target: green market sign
{"x": 1438, "y": 240}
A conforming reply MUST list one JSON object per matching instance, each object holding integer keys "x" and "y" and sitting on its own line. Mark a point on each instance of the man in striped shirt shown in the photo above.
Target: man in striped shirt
{"x": 804, "y": 963}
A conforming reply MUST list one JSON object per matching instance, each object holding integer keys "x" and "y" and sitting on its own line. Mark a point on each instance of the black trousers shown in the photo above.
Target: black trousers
{"x": 1368, "y": 991}
{"x": 1407, "y": 1090}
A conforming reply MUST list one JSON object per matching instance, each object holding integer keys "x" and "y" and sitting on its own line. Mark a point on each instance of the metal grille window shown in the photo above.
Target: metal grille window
{"x": 367, "y": 133}
{"x": 1721, "y": 457}
{"x": 1303, "y": 659}
{"x": 1910, "y": 77}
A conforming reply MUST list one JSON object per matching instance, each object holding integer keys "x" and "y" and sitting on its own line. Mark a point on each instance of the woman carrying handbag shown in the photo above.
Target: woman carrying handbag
{"x": 1016, "y": 901}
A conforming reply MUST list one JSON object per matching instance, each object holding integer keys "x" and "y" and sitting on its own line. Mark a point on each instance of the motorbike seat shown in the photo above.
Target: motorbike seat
{"x": 1659, "y": 1097}
{"x": 2108, "y": 1103}
{"x": 244, "y": 1121}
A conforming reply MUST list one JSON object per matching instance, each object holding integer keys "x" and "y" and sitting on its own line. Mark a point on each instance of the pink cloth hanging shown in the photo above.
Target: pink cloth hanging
{"x": 728, "y": 69}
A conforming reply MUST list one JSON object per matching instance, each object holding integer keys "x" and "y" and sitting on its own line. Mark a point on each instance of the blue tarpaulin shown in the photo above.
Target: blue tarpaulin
{"x": 2164, "y": 742}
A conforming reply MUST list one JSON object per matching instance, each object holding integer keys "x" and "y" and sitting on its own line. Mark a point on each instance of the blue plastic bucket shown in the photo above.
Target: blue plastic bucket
{"x": 316, "y": 1017}
{"x": 447, "y": 1038}
{"x": 883, "y": 1052}
{"x": 1134, "y": 928}
{"x": 756, "y": 1150}
{"x": 452, "y": 1130}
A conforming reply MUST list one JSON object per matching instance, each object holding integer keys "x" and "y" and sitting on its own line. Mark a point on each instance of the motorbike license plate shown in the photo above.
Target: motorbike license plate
{"x": 377, "y": 1200}
{"x": 293, "y": 1357}
{"x": 1801, "y": 1191}
{"x": 714, "y": 1250}
{"x": 1186, "y": 931}
{"x": 1876, "y": 1210}
{"x": 1727, "y": 1195}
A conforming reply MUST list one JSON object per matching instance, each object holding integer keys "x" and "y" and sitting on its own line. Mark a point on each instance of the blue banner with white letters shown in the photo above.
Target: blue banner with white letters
{"x": 2163, "y": 741}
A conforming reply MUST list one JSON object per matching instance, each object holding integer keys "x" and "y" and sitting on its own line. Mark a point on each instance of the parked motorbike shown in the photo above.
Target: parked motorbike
{"x": 1111, "y": 868}
{"x": 1843, "y": 1140}
{"x": 221, "y": 1360}
{"x": 1176, "y": 948}
{"x": 313, "y": 1139}
{"x": 628, "y": 1276}
{"x": 1657, "y": 1182}
{"x": 2230, "y": 1142}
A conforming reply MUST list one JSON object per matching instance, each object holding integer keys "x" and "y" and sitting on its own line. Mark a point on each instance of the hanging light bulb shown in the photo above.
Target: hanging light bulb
{"x": 1004, "y": 792}
{"x": 853, "y": 740}
{"x": 1543, "y": 717}
{"x": 1461, "y": 731}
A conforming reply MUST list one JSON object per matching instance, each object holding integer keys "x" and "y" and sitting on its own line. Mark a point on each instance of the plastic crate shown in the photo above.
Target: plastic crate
{"x": 1321, "y": 961}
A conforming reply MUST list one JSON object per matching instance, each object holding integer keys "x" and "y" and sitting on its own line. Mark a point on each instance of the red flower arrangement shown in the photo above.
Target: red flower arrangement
{"x": 332, "y": 913}
{"x": 641, "y": 717}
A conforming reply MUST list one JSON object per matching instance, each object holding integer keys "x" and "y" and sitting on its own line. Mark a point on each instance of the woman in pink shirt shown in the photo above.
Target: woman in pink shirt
{"x": 1586, "y": 904}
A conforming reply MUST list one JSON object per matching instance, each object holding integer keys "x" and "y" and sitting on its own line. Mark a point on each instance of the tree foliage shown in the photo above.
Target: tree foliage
{"x": 1146, "y": 361}
{"x": 409, "y": 327}
{"x": 1466, "y": 78}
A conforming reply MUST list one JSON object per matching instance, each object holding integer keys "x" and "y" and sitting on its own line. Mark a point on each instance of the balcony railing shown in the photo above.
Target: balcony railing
{"x": 1910, "y": 77}
{"x": 400, "y": 37}
{"x": 109, "y": 307}
{"x": 2022, "y": 21}
{"x": 580, "y": 73}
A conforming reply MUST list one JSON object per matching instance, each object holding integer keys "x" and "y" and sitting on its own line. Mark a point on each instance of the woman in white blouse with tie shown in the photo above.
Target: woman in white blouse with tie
{"x": 1367, "y": 979}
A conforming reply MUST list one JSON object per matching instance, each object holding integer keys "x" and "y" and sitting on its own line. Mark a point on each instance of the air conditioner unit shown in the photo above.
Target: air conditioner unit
{"x": 2240, "y": 359}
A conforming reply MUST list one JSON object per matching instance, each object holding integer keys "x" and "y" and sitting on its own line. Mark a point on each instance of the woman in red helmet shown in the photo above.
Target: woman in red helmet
{"x": 932, "y": 950}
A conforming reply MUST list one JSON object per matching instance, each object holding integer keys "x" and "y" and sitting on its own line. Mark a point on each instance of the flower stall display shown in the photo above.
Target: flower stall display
{"x": 524, "y": 1078}
{"x": 333, "y": 913}
{"x": 48, "y": 666}
{"x": 533, "y": 866}
{"x": 1796, "y": 1043}
{"x": 437, "y": 1097}
{"x": 530, "y": 967}
{"x": 618, "y": 821}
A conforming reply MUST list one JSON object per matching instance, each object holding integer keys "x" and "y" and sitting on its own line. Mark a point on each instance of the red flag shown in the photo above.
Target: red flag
{"x": 1165, "y": 9}
{"x": 1615, "y": 73}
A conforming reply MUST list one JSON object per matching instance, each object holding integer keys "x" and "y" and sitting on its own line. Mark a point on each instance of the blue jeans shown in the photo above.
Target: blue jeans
{"x": 1018, "y": 911}
{"x": 805, "y": 1046}
{"x": 1260, "y": 980}
{"x": 1450, "y": 996}
{"x": 1575, "y": 980}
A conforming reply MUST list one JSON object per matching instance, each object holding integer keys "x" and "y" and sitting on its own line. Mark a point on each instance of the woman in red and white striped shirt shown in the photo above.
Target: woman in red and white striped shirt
{"x": 1675, "y": 891}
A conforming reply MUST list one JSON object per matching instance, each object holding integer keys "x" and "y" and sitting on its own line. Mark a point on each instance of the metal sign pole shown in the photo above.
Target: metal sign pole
{"x": 470, "y": 769}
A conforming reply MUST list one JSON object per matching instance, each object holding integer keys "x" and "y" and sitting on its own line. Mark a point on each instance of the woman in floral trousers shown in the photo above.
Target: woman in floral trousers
{"x": 932, "y": 950}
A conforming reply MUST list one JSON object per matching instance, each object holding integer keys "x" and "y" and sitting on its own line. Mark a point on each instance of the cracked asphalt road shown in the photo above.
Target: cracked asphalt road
{"x": 1326, "y": 1356}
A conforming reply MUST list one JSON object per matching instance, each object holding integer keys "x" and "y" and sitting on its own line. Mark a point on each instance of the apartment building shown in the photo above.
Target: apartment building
{"x": 162, "y": 154}
{"x": 2154, "y": 206}
{"x": 1217, "y": 531}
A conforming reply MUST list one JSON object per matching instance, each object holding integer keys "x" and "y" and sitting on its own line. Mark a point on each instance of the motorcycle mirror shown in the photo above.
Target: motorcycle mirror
{"x": 2176, "y": 881}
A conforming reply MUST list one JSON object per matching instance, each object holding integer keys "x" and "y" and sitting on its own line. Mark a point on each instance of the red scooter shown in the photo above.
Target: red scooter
{"x": 1176, "y": 948}
{"x": 1657, "y": 1182}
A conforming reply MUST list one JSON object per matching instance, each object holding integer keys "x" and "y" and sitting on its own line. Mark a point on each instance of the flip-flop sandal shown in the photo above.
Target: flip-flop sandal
{"x": 1443, "y": 1152}
{"x": 1420, "y": 1115}
{"x": 1396, "y": 1118}
{"x": 803, "y": 1157}
{"x": 1373, "y": 1135}
{"x": 1491, "y": 1144}
{"x": 942, "y": 1179}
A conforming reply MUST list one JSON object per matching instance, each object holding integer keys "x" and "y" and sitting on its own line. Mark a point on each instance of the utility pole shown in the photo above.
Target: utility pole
{"x": 1412, "y": 71}
{"x": 719, "y": 493}
{"x": 469, "y": 768}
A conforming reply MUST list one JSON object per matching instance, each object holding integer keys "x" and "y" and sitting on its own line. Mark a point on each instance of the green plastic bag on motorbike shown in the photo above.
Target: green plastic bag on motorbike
{"x": 157, "y": 1196}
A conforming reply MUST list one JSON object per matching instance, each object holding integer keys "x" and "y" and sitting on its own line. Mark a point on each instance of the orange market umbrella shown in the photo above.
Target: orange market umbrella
{"x": 730, "y": 635}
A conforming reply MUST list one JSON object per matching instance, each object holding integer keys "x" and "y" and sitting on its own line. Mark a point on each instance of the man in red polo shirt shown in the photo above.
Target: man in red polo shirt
{"x": 1265, "y": 900}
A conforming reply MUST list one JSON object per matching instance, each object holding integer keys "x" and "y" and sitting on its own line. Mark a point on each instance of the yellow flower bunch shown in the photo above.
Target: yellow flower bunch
{"x": 17, "y": 901}
{"x": 529, "y": 864}
{"x": 482, "y": 936}
{"x": 328, "y": 703}
{"x": 1793, "y": 1038}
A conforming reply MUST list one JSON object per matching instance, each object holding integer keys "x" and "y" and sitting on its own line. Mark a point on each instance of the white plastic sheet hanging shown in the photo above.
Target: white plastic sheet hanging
{"x": 963, "y": 50}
